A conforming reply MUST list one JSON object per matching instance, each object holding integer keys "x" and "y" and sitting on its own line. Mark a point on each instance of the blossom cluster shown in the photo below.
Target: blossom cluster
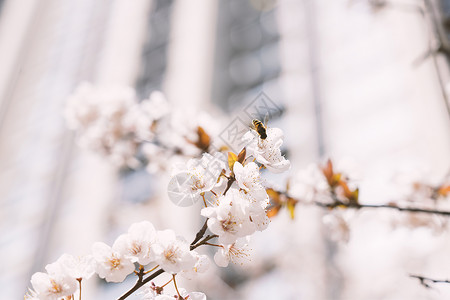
{"x": 113, "y": 122}
{"x": 233, "y": 188}
{"x": 142, "y": 245}
{"x": 235, "y": 202}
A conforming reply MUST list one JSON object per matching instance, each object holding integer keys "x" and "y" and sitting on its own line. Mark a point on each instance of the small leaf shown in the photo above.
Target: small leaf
{"x": 328, "y": 171}
{"x": 232, "y": 158}
{"x": 290, "y": 204}
{"x": 273, "y": 211}
{"x": 241, "y": 156}
{"x": 352, "y": 196}
{"x": 332, "y": 178}
{"x": 444, "y": 190}
{"x": 274, "y": 196}
{"x": 204, "y": 140}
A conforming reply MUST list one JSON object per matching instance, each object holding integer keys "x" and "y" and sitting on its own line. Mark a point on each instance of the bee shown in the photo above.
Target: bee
{"x": 260, "y": 128}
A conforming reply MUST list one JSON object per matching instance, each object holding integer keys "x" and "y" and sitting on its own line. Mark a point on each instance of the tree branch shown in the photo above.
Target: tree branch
{"x": 140, "y": 282}
{"x": 200, "y": 233}
{"x": 204, "y": 241}
{"x": 423, "y": 280}
{"x": 229, "y": 184}
{"x": 389, "y": 206}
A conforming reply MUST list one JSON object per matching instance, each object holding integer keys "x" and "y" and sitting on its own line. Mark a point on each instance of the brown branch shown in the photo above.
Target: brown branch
{"x": 389, "y": 206}
{"x": 231, "y": 179}
{"x": 200, "y": 233}
{"x": 140, "y": 282}
{"x": 423, "y": 280}
{"x": 204, "y": 241}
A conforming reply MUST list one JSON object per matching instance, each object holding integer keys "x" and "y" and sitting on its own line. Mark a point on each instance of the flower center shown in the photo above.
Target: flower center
{"x": 115, "y": 262}
{"x": 56, "y": 288}
{"x": 170, "y": 255}
{"x": 228, "y": 224}
{"x": 136, "y": 249}
{"x": 198, "y": 183}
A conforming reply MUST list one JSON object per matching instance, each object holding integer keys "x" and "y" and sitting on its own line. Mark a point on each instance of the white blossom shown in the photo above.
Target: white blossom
{"x": 267, "y": 151}
{"x": 259, "y": 217}
{"x": 53, "y": 286}
{"x": 230, "y": 219}
{"x": 142, "y": 116}
{"x": 310, "y": 185}
{"x": 156, "y": 106}
{"x": 248, "y": 176}
{"x": 138, "y": 244}
{"x": 110, "y": 264}
{"x": 201, "y": 266}
{"x": 258, "y": 201}
{"x": 174, "y": 255}
{"x": 98, "y": 115}
{"x": 195, "y": 296}
{"x": 179, "y": 130}
{"x": 198, "y": 177}
{"x": 148, "y": 292}
{"x": 206, "y": 171}
{"x": 77, "y": 267}
{"x": 236, "y": 252}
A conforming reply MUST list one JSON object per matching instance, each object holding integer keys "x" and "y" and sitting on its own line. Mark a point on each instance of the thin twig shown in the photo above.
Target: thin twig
{"x": 229, "y": 184}
{"x": 140, "y": 282}
{"x": 423, "y": 280}
{"x": 176, "y": 288}
{"x": 200, "y": 233}
{"x": 79, "y": 282}
{"x": 204, "y": 241}
{"x": 390, "y": 206}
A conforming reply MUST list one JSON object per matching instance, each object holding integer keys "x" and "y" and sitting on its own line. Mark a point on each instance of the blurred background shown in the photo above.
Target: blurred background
{"x": 361, "y": 79}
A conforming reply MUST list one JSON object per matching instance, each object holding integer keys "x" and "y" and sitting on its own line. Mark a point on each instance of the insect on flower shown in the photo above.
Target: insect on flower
{"x": 260, "y": 128}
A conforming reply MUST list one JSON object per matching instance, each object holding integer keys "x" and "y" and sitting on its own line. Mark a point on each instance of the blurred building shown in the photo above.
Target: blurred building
{"x": 353, "y": 78}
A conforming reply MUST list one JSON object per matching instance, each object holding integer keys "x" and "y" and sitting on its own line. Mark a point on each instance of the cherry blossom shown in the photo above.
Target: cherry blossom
{"x": 310, "y": 185}
{"x": 230, "y": 219}
{"x": 53, "y": 286}
{"x": 110, "y": 264}
{"x": 198, "y": 177}
{"x": 142, "y": 116}
{"x": 98, "y": 114}
{"x": 259, "y": 217}
{"x": 267, "y": 151}
{"x": 201, "y": 266}
{"x": 138, "y": 244}
{"x": 174, "y": 255}
{"x": 77, "y": 267}
{"x": 236, "y": 252}
{"x": 248, "y": 176}
{"x": 113, "y": 122}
